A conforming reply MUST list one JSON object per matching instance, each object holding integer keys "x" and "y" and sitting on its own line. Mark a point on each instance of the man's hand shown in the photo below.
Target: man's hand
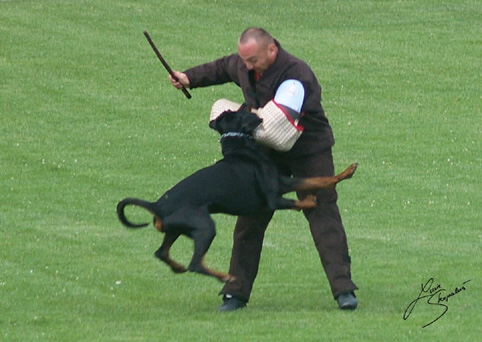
{"x": 181, "y": 81}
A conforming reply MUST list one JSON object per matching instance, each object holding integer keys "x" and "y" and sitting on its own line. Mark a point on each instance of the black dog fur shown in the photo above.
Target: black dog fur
{"x": 244, "y": 182}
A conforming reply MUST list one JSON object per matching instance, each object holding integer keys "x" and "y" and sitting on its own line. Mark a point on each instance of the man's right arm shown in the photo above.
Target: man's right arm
{"x": 180, "y": 81}
{"x": 220, "y": 71}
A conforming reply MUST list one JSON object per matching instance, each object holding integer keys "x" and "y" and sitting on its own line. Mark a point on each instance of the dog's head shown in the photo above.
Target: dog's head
{"x": 241, "y": 121}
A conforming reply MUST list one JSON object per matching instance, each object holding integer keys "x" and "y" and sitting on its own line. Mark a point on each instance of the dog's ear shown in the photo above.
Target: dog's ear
{"x": 250, "y": 122}
{"x": 215, "y": 124}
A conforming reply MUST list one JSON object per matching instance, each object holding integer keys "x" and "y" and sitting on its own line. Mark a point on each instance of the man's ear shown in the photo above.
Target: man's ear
{"x": 272, "y": 51}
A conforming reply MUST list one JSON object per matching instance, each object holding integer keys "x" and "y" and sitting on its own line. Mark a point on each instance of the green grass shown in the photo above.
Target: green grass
{"x": 89, "y": 117}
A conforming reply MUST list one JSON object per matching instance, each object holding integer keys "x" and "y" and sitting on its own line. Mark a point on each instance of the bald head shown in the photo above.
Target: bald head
{"x": 257, "y": 49}
{"x": 261, "y": 36}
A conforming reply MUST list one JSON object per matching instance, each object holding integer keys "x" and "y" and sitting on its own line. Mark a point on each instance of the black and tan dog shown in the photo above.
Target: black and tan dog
{"x": 244, "y": 182}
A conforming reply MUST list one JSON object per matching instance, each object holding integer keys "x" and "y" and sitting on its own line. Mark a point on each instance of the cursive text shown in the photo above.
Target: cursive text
{"x": 436, "y": 296}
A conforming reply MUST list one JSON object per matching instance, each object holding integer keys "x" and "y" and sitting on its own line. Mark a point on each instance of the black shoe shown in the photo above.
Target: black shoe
{"x": 347, "y": 301}
{"x": 231, "y": 304}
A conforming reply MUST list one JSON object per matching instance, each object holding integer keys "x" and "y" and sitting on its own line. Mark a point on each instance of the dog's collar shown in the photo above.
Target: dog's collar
{"x": 235, "y": 135}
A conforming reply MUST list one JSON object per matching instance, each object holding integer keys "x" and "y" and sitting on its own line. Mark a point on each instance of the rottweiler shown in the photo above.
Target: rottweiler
{"x": 244, "y": 182}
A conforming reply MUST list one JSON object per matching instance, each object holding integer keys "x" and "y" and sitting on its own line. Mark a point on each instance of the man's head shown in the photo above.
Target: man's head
{"x": 257, "y": 49}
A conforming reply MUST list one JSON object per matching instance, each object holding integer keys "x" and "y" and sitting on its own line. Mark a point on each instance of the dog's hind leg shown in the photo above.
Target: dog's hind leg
{"x": 203, "y": 235}
{"x": 196, "y": 223}
{"x": 163, "y": 252}
{"x": 222, "y": 277}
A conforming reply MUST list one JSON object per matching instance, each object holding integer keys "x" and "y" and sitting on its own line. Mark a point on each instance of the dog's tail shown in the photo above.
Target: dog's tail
{"x": 133, "y": 201}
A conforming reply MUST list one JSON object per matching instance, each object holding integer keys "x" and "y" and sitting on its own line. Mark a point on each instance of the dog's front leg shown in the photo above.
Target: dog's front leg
{"x": 163, "y": 252}
{"x": 316, "y": 183}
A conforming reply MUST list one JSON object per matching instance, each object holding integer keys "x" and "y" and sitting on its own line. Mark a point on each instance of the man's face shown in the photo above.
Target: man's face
{"x": 257, "y": 57}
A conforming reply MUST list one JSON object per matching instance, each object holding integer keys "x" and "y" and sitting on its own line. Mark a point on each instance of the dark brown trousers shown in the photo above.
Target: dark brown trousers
{"x": 326, "y": 229}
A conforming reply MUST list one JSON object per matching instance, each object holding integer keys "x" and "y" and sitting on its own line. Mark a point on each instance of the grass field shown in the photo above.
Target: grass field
{"x": 88, "y": 117}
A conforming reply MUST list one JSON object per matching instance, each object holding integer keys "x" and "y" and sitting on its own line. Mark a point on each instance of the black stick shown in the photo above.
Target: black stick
{"x": 163, "y": 61}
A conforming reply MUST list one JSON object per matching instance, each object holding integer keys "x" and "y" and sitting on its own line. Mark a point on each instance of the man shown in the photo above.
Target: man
{"x": 259, "y": 68}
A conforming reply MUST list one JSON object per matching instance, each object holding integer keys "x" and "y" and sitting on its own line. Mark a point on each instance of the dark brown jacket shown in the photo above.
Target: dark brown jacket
{"x": 317, "y": 135}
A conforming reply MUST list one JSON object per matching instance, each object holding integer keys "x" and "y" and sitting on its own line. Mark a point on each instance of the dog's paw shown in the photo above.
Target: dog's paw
{"x": 311, "y": 199}
{"x": 307, "y": 203}
{"x": 176, "y": 268}
{"x": 179, "y": 269}
{"x": 227, "y": 278}
{"x": 350, "y": 171}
